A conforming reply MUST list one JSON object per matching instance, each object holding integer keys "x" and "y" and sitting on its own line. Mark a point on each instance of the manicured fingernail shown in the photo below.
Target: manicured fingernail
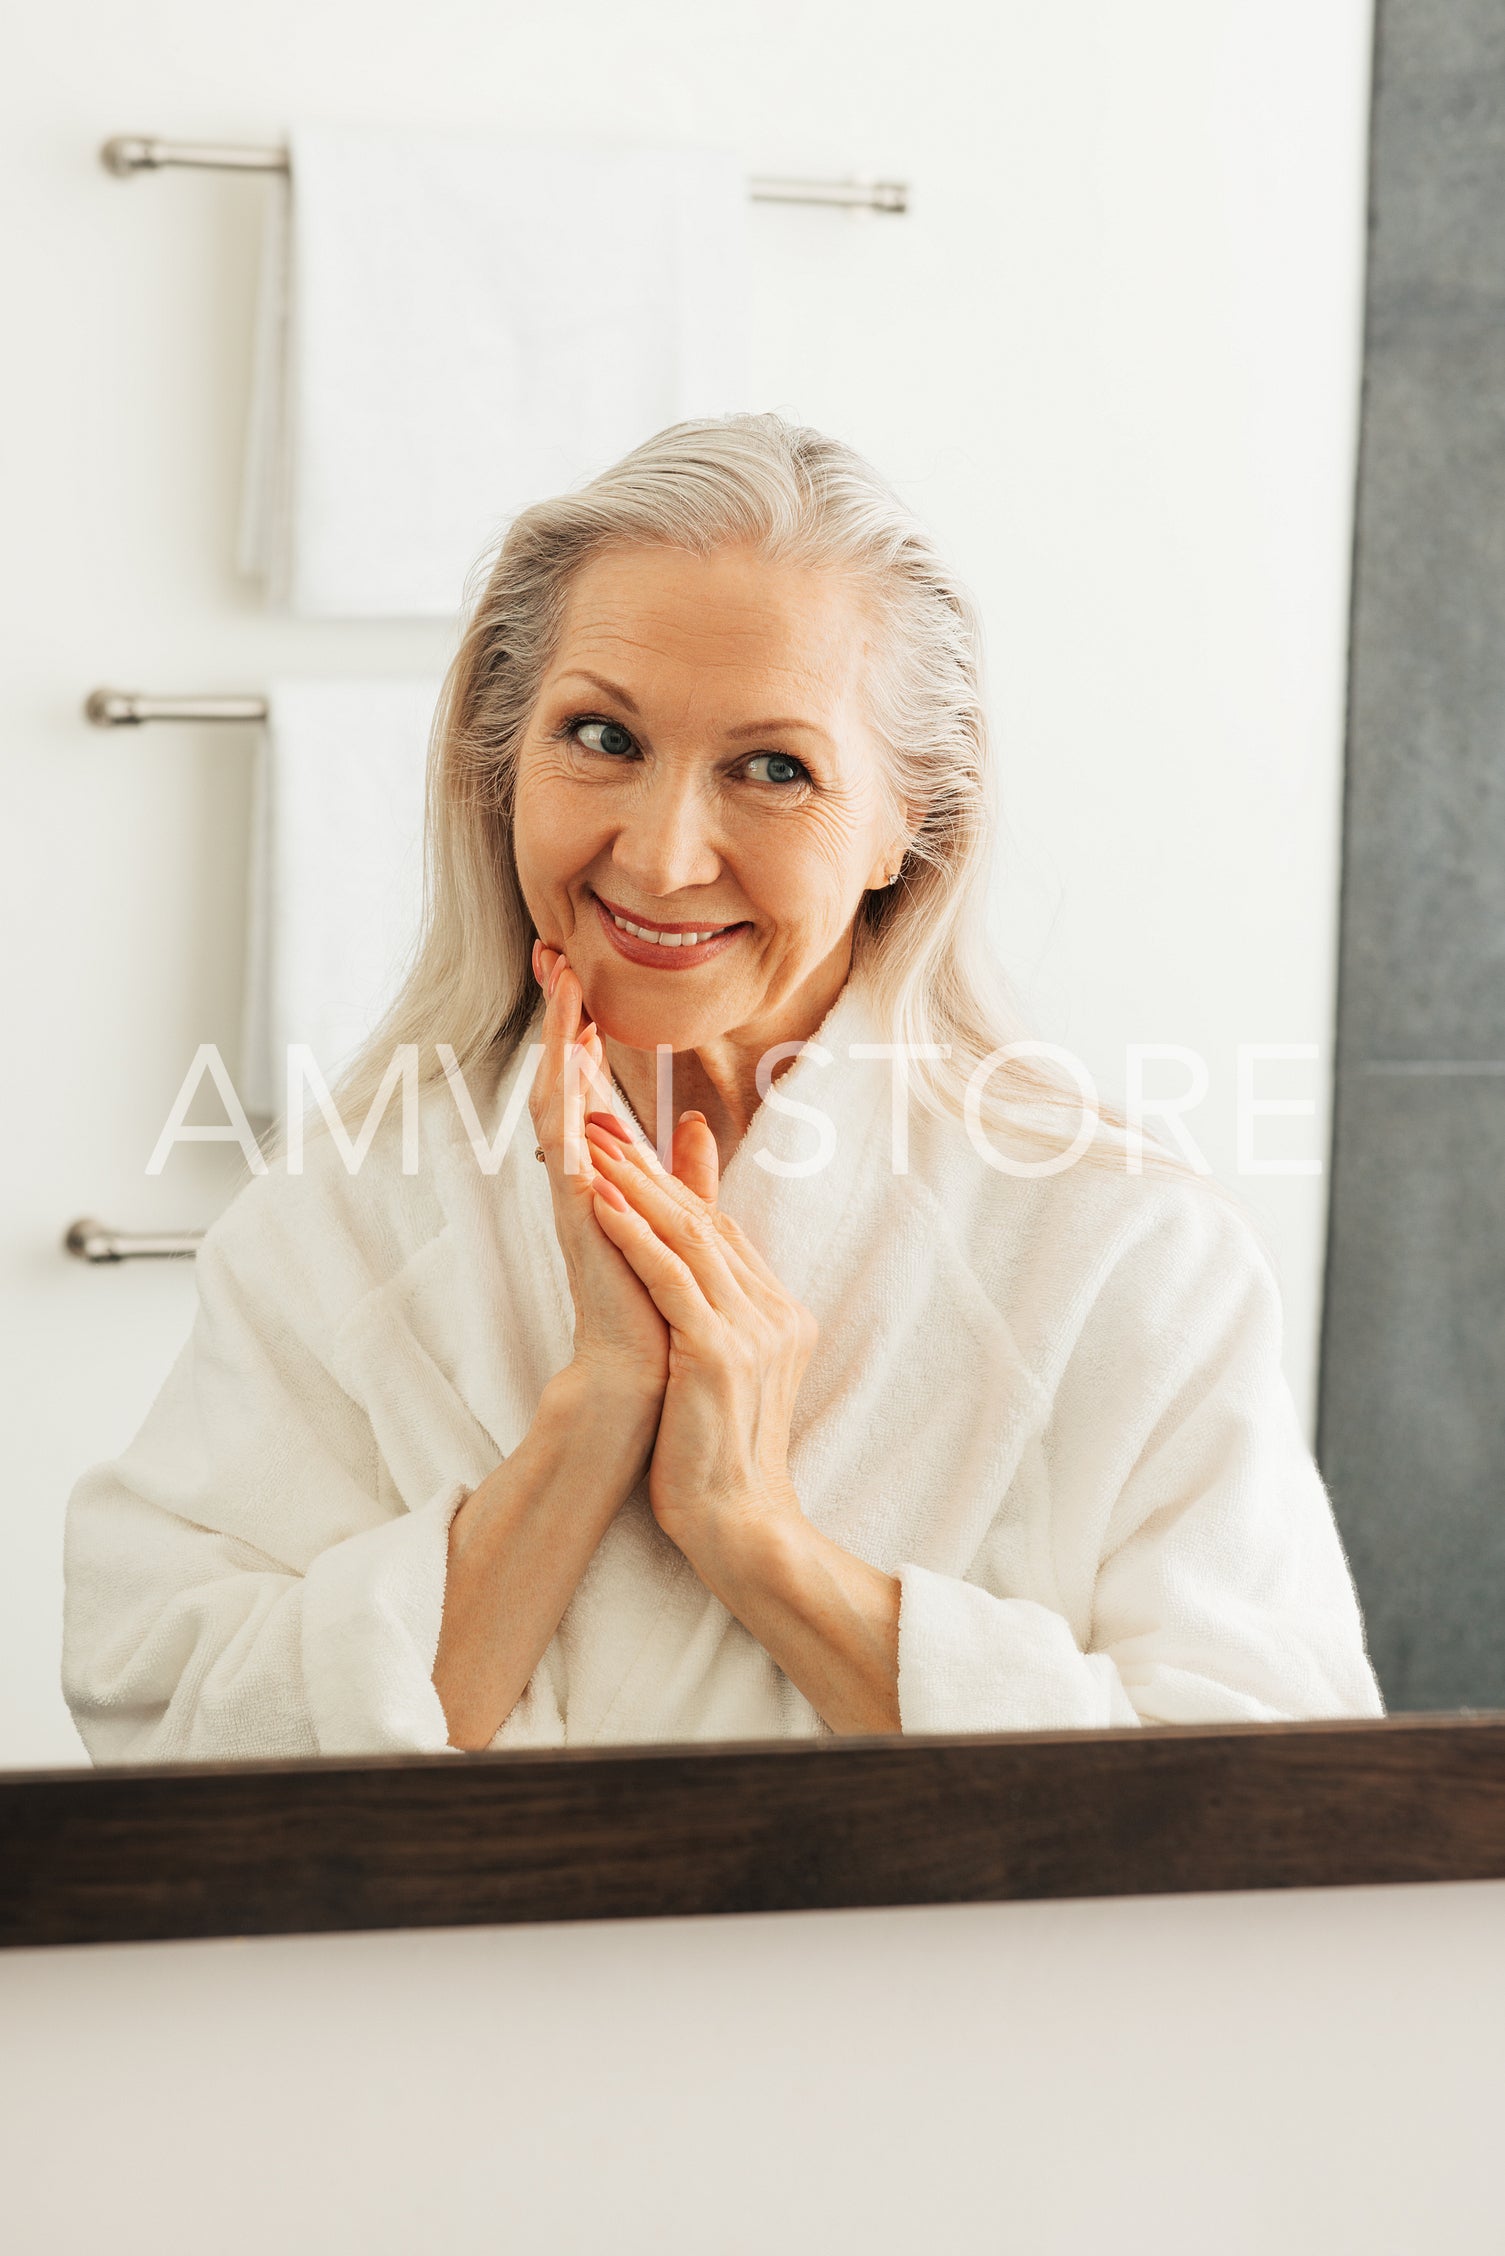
{"x": 610, "y": 1121}
{"x": 537, "y": 975}
{"x": 692, "y": 1116}
{"x": 610, "y": 1193}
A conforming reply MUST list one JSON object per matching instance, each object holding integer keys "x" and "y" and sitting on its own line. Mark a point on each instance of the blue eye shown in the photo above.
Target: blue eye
{"x": 610, "y": 737}
{"x": 790, "y": 770}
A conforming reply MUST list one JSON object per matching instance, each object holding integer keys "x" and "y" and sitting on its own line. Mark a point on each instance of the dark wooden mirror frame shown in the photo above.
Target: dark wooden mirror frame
{"x": 622, "y": 1833}
{"x": 183, "y": 1851}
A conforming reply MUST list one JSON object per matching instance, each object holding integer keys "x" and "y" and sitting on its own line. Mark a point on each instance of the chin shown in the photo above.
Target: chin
{"x": 640, "y": 1018}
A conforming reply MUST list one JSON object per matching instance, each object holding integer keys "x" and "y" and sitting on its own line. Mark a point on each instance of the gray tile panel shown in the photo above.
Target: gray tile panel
{"x": 1411, "y": 1431}
{"x": 1423, "y": 971}
{"x": 1411, "y": 1417}
{"x": 1438, "y": 154}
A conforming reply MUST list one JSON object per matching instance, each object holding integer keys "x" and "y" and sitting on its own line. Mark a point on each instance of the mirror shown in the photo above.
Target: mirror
{"x": 881, "y": 1402}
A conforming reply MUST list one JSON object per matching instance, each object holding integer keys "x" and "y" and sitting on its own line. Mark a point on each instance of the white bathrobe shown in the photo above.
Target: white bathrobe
{"x": 1053, "y": 1408}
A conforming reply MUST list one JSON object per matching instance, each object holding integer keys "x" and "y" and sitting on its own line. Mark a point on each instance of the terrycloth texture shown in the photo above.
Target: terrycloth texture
{"x": 1055, "y": 1409}
{"x": 336, "y": 879}
{"x": 452, "y": 326}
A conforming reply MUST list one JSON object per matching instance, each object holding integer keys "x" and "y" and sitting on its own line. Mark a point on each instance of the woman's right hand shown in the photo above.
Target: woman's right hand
{"x": 620, "y": 1338}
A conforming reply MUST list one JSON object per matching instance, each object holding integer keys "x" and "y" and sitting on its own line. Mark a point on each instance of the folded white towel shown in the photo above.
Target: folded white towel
{"x": 451, "y": 327}
{"x": 336, "y": 877}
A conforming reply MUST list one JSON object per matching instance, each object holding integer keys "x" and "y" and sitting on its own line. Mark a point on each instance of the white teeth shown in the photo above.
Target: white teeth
{"x": 663, "y": 939}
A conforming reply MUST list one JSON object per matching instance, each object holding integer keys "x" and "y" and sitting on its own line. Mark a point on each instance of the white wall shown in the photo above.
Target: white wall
{"x": 1112, "y": 355}
{"x": 1310, "y": 2074}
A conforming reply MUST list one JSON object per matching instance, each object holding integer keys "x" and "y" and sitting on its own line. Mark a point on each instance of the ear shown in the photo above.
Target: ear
{"x": 906, "y": 817}
{"x": 886, "y": 868}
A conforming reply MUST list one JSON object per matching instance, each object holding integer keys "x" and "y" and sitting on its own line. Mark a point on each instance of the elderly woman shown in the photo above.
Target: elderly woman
{"x": 790, "y": 1373}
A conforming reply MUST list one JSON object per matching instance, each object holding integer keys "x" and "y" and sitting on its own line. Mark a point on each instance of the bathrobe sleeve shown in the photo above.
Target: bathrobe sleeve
{"x": 1188, "y": 1521}
{"x": 243, "y": 1581}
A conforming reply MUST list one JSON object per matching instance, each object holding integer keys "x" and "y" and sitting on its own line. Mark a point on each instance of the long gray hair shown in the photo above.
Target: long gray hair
{"x": 921, "y": 944}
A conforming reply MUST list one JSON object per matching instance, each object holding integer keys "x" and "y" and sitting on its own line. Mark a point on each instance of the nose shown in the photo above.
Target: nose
{"x": 666, "y": 841}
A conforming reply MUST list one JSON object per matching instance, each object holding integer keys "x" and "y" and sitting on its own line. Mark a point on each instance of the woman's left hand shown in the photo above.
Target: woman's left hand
{"x": 738, "y": 1348}
{"x": 719, "y": 1478}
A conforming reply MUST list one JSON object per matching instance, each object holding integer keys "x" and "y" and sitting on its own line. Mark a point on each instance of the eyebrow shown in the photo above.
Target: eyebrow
{"x": 743, "y": 728}
{"x": 612, "y": 689}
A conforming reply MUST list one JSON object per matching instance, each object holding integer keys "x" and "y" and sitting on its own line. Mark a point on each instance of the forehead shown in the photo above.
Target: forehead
{"x": 734, "y": 617}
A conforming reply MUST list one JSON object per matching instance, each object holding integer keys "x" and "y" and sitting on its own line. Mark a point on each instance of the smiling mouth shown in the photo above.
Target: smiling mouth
{"x": 664, "y": 935}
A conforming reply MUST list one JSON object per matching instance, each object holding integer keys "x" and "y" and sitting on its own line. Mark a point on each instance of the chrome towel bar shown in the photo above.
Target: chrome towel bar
{"x": 94, "y": 1241}
{"x": 130, "y": 153}
{"x": 128, "y": 708}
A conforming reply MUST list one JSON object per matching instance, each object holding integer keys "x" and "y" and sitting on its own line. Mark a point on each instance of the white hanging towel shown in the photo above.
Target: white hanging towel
{"x": 336, "y": 871}
{"x": 453, "y": 326}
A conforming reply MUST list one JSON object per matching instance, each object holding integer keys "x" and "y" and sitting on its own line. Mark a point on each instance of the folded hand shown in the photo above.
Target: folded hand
{"x": 738, "y": 1348}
